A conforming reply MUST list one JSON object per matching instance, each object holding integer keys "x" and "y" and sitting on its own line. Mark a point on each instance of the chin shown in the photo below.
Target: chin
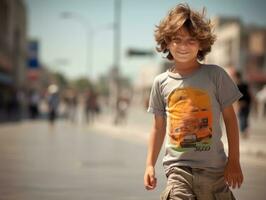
{"x": 183, "y": 60}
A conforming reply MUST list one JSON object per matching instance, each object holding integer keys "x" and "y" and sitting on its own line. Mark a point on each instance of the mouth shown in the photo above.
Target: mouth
{"x": 182, "y": 53}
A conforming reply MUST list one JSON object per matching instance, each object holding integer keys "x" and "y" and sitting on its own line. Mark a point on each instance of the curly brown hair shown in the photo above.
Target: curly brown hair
{"x": 196, "y": 24}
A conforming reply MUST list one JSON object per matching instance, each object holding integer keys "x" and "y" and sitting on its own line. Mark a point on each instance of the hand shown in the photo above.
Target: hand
{"x": 149, "y": 178}
{"x": 233, "y": 174}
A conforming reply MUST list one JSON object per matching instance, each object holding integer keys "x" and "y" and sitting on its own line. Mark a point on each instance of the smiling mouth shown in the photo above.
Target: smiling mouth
{"x": 182, "y": 52}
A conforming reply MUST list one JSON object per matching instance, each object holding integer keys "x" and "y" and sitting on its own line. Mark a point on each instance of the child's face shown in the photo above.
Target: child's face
{"x": 183, "y": 47}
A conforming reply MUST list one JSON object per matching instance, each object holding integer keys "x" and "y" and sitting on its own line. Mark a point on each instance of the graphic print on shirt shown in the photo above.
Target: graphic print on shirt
{"x": 190, "y": 120}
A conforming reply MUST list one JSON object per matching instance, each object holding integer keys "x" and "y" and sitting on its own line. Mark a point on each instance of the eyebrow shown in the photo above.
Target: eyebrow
{"x": 180, "y": 37}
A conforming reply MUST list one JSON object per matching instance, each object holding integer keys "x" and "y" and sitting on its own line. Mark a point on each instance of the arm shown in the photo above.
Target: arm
{"x": 154, "y": 145}
{"x": 233, "y": 173}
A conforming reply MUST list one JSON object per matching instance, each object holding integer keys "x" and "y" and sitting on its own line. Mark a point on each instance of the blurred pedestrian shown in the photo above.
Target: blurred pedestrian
{"x": 22, "y": 99}
{"x": 34, "y": 99}
{"x": 71, "y": 102}
{"x": 122, "y": 106}
{"x": 13, "y": 107}
{"x": 53, "y": 103}
{"x": 243, "y": 104}
{"x": 189, "y": 98}
{"x": 92, "y": 106}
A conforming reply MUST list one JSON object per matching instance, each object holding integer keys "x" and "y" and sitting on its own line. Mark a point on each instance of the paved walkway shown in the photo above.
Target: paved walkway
{"x": 76, "y": 161}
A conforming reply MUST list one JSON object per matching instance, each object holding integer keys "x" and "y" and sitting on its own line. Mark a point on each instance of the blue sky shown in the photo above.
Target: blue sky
{"x": 66, "y": 39}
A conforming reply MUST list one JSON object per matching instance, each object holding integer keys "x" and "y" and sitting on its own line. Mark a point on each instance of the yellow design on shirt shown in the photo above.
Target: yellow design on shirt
{"x": 190, "y": 119}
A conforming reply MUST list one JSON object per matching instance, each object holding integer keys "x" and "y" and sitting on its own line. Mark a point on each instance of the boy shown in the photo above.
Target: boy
{"x": 187, "y": 101}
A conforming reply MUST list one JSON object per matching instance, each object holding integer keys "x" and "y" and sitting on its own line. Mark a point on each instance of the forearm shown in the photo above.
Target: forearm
{"x": 232, "y": 132}
{"x": 154, "y": 145}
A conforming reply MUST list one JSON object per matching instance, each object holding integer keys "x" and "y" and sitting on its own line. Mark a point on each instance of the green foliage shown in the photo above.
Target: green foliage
{"x": 125, "y": 82}
{"x": 61, "y": 79}
{"x": 102, "y": 85}
{"x": 81, "y": 84}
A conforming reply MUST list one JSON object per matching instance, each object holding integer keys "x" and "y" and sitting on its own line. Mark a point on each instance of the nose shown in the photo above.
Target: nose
{"x": 183, "y": 45}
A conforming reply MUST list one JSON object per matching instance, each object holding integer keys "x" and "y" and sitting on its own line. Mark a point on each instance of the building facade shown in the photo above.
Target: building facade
{"x": 240, "y": 47}
{"x": 13, "y": 51}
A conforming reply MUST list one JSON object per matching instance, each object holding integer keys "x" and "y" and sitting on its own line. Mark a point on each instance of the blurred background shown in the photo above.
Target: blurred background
{"x": 75, "y": 78}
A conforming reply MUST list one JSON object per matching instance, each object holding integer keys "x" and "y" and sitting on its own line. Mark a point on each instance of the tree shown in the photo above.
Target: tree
{"x": 82, "y": 84}
{"x": 60, "y": 79}
{"x": 102, "y": 85}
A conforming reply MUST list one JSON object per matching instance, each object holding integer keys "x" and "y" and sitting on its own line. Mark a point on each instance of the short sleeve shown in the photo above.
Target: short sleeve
{"x": 227, "y": 90}
{"x": 156, "y": 101}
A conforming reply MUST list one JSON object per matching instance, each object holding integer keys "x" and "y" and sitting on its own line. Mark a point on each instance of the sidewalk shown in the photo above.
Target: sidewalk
{"x": 139, "y": 122}
{"x": 255, "y": 143}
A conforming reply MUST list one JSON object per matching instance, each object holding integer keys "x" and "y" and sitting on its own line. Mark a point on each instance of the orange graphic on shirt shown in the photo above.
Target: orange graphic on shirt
{"x": 190, "y": 118}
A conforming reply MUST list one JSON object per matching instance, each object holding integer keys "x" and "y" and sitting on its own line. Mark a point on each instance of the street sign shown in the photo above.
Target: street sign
{"x": 139, "y": 52}
{"x": 33, "y": 60}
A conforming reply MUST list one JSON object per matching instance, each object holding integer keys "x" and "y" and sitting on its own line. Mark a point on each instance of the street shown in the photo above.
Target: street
{"x": 70, "y": 161}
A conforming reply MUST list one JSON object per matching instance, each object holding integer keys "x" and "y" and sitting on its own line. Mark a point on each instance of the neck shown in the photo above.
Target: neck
{"x": 186, "y": 68}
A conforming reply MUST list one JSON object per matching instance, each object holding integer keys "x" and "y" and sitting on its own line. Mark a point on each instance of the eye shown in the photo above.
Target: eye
{"x": 192, "y": 41}
{"x": 176, "y": 40}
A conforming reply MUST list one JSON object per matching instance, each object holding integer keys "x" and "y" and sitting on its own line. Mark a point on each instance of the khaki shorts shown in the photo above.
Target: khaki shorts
{"x": 185, "y": 183}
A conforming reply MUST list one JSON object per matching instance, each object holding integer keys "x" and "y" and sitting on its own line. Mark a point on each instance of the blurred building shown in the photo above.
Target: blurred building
{"x": 13, "y": 41}
{"x": 240, "y": 47}
{"x": 143, "y": 83}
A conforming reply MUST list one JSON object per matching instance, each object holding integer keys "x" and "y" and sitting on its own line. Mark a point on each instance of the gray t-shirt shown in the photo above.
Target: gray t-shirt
{"x": 192, "y": 106}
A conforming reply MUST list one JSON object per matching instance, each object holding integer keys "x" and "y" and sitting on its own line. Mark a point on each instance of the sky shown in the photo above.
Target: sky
{"x": 66, "y": 45}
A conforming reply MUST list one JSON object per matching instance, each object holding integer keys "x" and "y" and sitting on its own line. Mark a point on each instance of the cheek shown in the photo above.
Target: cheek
{"x": 195, "y": 49}
{"x": 173, "y": 47}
